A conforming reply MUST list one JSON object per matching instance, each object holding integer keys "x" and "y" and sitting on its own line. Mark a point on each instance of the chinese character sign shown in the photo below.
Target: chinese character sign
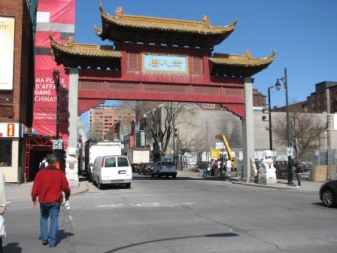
{"x": 165, "y": 63}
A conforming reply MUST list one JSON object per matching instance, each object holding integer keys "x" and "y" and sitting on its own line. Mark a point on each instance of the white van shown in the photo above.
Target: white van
{"x": 112, "y": 169}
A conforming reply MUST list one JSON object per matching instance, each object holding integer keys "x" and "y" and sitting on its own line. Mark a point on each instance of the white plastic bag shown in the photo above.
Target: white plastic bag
{"x": 2, "y": 226}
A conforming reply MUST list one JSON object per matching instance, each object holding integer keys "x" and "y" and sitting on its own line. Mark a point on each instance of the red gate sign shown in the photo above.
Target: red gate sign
{"x": 10, "y": 130}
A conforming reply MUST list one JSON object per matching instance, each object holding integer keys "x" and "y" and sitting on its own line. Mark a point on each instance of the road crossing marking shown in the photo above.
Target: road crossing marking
{"x": 149, "y": 204}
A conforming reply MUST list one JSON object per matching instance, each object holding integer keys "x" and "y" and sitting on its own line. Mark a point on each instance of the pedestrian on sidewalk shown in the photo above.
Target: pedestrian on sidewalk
{"x": 220, "y": 168}
{"x": 43, "y": 164}
{"x": 229, "y": 167}
{"x": 3, "y": 204}
{"x": 48, "y": 186}
{"x": 298, "y": 170}
{"x": 205, "y": 169}
{"x": 201, "y": 169}
{"x": 215, "y": 171}
{"x": 210, "y": 171}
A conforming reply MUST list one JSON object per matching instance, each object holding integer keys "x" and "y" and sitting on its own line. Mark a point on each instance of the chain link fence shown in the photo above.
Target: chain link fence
{"x": 318, "y": 165}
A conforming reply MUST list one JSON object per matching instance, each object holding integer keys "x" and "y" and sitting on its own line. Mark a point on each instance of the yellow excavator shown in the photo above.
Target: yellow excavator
{"x": 228, "y": 149}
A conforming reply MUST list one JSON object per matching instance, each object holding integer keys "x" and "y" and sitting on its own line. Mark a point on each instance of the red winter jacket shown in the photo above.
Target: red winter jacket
{"x": 49, "y": 184}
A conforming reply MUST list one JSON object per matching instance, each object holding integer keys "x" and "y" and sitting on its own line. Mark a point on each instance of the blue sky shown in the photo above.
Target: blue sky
{"x": 303, "y": 33}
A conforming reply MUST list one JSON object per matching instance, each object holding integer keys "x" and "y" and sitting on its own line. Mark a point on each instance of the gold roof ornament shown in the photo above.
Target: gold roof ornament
{"x": 119, "y": 13}
{"x": 148, "y": 30}
{"x": 207, "y": 22}
{"x": 247, "y": 54}
{"x": 71, "y": 41}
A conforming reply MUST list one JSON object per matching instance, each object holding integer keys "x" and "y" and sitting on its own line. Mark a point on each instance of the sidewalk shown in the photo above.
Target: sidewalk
{"x": 281, "y": 183}
{"x": 16, "y": 192}
{"x": 22, "y": 192}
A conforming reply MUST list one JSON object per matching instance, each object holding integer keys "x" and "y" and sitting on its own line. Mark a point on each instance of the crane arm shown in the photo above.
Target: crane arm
{"x": 229, "y": 151}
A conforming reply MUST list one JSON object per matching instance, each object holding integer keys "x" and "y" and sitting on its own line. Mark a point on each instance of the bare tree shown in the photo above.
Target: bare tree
{"x": 199, "y": 144}
{"x": 305, "y": 131}
{"x": 109, "y": 135}
{"x": 160, "y": 121}
{"x": 96, "y": 130}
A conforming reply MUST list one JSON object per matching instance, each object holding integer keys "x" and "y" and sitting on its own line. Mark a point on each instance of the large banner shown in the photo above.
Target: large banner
{"x": 7, "y": 25}
{"x": 57, "y": 17}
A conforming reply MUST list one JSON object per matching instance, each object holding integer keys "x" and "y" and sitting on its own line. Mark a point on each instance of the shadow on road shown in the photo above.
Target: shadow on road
{"x": 173, "y": 238}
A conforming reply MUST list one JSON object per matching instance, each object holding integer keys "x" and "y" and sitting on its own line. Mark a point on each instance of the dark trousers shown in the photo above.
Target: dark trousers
{"x": 299, "y": 179}
{"x": 1, "y": 249}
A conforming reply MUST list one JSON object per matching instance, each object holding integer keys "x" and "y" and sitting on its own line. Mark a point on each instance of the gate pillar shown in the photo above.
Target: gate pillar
{"x": 248, "y": 130}
{"x": 71, "y": 160}
{"x": 73, "y": 106}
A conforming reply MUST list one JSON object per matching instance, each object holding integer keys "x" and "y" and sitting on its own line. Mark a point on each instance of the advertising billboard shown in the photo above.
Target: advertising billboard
{"x": 7, "y": 26}
{"x": 50, "y": 116}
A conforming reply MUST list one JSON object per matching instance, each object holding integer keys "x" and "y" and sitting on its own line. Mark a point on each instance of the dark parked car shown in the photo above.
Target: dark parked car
{"x": 328, "y": 193}
{"x": 164, "y": 168}
{"x": 145, "y": 168}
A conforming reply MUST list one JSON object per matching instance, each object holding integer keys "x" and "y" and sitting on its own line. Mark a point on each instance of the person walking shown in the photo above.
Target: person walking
{"x": 298, "y": 170}
{"x": 3, "y": 205}
{"x": 201, "y": 169}
{"x": 48, "y": 186}
{"x": 43, "y": 164}
{"x": 220, "y": 168}
{"x": 209, "y": 169}
{"x": 228, "y": 167}
{"x": 205, "y": 169}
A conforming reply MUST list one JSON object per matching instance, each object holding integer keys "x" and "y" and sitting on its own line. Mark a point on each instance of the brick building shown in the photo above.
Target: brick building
{"x": 16, "y": 85}
{"x": 318, "y": 101}
{"x": 102, "y": 123}
{"x": 259, "y": 100}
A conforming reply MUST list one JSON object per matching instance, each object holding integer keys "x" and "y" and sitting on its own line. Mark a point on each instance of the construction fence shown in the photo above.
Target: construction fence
{"x": 319, "y": 166}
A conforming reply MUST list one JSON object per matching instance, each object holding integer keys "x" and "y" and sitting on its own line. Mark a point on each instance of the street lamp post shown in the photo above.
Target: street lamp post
{"x": 278, "y": 87}
{"x": 175, "y": 146}
{"x": 56, "y": 75}
{"x": 285, "y": 82}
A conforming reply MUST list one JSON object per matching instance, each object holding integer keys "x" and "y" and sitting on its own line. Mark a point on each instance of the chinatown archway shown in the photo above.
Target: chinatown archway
{"x": 156, "y": 59}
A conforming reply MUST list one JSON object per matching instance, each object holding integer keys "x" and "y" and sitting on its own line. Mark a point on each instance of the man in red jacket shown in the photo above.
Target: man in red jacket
{"x": 48, "y": 186}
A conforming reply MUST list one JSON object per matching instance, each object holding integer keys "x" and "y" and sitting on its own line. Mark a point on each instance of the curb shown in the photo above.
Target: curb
{"x": 265, "y": 186}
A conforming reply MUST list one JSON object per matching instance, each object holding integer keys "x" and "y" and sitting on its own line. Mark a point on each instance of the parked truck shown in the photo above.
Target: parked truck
{"x": 101, "y": 149}
{"x": 138, "y": 156}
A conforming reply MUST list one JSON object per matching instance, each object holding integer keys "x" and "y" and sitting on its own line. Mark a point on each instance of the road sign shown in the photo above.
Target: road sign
{"x": 57, "y": 144}
{"x": 289, "y": 151}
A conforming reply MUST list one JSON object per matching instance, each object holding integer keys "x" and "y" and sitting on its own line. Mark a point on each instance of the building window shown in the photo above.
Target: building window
{"x": 5, "y": 152}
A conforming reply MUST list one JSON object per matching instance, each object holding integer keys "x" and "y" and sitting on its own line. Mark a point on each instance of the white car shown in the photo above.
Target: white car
{"x": 163, "y": 168}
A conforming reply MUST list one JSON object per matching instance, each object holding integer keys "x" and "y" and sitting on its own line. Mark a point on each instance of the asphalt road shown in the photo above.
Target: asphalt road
{"x": 181, "y": 215}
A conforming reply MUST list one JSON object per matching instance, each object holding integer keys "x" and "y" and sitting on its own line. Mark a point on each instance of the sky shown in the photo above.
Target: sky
{"x": 302, "y": 32}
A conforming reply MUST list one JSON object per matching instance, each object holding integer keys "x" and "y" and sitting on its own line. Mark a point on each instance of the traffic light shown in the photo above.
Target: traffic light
{"x": 133, "y": 127}
{"x": 117, "y": 127}
{"x": 175, "y": 132}
{"x": 265, "y": 110}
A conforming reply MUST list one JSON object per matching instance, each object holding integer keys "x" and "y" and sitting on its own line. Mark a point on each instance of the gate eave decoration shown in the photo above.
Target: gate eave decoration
{"x": 117, "y": 72}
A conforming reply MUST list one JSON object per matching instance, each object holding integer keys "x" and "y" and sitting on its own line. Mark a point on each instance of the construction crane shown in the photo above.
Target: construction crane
{"x": 231, "y": 157}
